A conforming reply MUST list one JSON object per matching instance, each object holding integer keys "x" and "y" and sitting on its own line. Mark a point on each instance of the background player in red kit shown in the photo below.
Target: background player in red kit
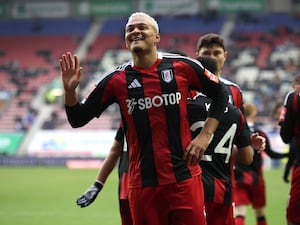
{"x": 215, "y": 163}
{"x": 164, "y": 174}
{"x": 250, "y": 185}
{"x": 290, "y": 128}
{"x": 212, "y": 45}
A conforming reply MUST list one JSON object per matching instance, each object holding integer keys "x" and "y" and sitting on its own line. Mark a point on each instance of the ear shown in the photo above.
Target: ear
{"x": 157, "y": 37}
{"x": 225, "y": 54}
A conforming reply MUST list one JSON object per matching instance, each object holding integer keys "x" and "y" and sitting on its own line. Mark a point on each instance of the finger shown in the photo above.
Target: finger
{"x": 70, "y": 59}
{"x": 61, "y": 65}
{"x": 81, "y": 200}
{"x": 82, "y": 204}
{"x": 85, "y": 205}
{"x": 189, "y": 159}
{"x": 79, "y": 203}
{"x": 79, "y": 73}
{"x": 194, "y": 161}
{"x": 187, "y": 151}
{"x": 76, "y": 62}
{"x": 66, "y": 63}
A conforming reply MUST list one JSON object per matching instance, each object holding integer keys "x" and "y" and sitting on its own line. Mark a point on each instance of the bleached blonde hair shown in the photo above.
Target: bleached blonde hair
{"x": 152, "y": 21}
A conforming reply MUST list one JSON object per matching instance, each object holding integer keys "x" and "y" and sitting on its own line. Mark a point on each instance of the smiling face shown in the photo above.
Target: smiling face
{"x": 141, "y": 33}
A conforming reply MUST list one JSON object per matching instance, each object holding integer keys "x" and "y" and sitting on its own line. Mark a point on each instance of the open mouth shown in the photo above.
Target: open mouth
{"x": 136, "y": 39}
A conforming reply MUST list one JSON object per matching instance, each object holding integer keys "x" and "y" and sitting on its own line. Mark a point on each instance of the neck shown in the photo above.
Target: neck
{"x": 250, "y": 122}
{"x": 143, "y": 60}
{"x": 218, "y": 73}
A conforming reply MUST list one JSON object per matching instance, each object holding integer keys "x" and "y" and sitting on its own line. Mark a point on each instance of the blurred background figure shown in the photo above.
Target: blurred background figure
{"x": 250, "y": 186}
{"x": 290, "y": 130}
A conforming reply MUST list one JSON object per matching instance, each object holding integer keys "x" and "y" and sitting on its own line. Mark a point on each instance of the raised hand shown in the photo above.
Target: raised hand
{"x": 70, "y": 71}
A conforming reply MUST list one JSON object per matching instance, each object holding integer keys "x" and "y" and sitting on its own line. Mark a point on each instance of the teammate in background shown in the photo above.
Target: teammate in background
{"x": 152, "y": 91}
{"x": 290, "y": 128}
{"x": 117, "y": 152}
{"x": 212, "y": 45}
{"x": 215, "y": 163}
{"x": 250, "y": 185}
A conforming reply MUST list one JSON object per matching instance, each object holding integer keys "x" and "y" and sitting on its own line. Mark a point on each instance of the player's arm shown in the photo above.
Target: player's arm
{"x": 242, "y": 150}
{"x": 287, "y": 120}
{"x": 108, "y": 165}
{"x": 243, "y": 155}
{"x": 270, "y": 152}
{"x": 199, "y": 144}
{"x": 80, "y": 113}
{"x": 109, "y": 162}
{"x": 215, "y": 90}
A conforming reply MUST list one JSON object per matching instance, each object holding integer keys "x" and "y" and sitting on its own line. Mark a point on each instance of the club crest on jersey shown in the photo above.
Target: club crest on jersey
{"x": 167, "y": 75}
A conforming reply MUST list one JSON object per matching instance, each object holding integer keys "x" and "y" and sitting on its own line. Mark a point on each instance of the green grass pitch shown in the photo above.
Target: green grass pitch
{"x": 47, "y": 196}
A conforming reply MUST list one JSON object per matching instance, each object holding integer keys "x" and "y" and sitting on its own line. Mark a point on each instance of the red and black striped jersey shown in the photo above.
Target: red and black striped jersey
{"x": 153, "y": 104}
{"x": 216, "y": 161}
{"x": 234, "y": 93}
{"x": 290, "y": 121}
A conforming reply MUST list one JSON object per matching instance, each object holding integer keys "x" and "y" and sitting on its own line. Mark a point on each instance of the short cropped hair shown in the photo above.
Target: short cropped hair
{"x": 250, "y": 109}
{"x": 152, "y": 21}
{"x": 209, "y": 40}
{"x": 296, "y": 80}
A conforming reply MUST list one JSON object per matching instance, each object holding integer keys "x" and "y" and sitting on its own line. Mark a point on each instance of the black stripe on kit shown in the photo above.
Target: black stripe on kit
{"x": 143, "y": 131}
{"x": 296, "y": 110}
{"x": 228, "y": 193}
{"x": 181, "y": 171}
